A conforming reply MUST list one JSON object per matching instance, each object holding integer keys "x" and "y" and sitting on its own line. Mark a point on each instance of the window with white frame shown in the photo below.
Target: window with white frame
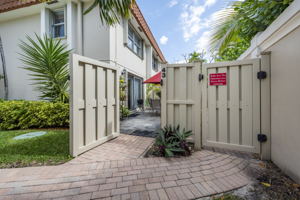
{"x": 154, "y": 64}
{"x": 58, "y": 23}
{"x": 135, "y": 42}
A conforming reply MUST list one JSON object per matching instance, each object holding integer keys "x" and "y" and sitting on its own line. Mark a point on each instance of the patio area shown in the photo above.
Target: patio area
{"x": 116, "y": 170}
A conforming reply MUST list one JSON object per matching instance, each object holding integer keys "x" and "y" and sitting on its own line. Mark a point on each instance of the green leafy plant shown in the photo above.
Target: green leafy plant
{"x": 153, "y": 91}
{"x": 21, "y": 114}
{"x": 240, "y": 22}
{"x": 172, "y": 141}
{"x": 125, "y": 112}
{"x": 47, "y": 61}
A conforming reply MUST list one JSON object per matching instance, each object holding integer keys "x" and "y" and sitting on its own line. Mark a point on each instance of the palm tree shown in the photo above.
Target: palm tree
{"x": 196, "y": 56}
{"x": 242, "y": 20}
{"x": 112, "y": 11}
{"x": 47, "y": 60}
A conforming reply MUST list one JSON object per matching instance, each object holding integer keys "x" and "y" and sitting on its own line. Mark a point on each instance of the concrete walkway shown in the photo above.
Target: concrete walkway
{"x": 203, "y": 174}
{"x": 142, "y": 124}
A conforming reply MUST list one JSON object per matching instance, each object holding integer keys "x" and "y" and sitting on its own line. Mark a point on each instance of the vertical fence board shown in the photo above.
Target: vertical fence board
{"x": 212, "y": 110}
{"x": 110, "y": 101}
{"x": 170, "y": 95}
{"x": 163, "y": 101}
{"x": 222, "y": 109}
{"x": 183, "y": 96}
{"x": 204, "y": 105}
{"x": 101, "y": 97}
{"x": 88, "y": 104}
{"x": 256, "y": 105}
{"x": 234, "y": 104}
{"x": 197, "y": 105}
{"x": 247, "y": 105}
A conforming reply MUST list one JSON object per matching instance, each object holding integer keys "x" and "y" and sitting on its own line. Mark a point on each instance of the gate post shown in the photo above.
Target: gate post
{"x": 266, "y": 106}
{"x": 163, "y": 103}
{"x": 197, "y": 103}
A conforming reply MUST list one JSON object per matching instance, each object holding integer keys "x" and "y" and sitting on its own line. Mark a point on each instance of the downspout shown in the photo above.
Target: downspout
{"x": 4, "y": 70}
{"x": 79, "y": 29}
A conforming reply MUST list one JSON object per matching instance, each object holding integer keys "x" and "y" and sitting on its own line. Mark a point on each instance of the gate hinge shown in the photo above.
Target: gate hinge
{"x": 261, "y": 75}
{"x": 201, "y": 76}
{"x": 262, "y": 137}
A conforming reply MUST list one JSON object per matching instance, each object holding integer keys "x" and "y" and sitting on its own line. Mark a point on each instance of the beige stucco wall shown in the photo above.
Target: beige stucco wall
{"x": 18, "y": 79}
{"x": 285, "y": 104}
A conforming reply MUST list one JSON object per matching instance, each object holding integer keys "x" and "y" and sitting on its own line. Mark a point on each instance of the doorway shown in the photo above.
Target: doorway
{"x": 135, "y": 91}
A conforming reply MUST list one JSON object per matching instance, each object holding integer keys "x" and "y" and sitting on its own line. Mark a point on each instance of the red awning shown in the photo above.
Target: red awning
{"x": 154, "y": 79}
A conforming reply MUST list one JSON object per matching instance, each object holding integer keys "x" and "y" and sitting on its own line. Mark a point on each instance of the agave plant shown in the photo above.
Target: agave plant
{"x": 171, "y": 141}
{"x": 47, "y": 61}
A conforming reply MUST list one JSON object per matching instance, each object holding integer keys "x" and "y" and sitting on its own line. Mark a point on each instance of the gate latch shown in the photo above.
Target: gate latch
{"x": 261, "y": 137}
{"x": 261, "y": 75}
{"x": 201, "y": 77}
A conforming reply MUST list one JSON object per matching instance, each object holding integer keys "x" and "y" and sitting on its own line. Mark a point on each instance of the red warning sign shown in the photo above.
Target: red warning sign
{"x": 218, "y": 79}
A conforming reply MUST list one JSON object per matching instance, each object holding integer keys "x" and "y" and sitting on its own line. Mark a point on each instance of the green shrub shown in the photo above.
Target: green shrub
{"x": 125, "y": 112}
{"x": 21, "y": 114}
{"x": 172, "y": 141}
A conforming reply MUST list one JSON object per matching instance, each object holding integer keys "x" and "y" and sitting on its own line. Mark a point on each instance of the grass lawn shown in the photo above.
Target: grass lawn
{"x": 49, "y": 149}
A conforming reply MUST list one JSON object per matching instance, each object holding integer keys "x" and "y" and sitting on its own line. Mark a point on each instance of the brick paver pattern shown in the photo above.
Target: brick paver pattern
{"x": 204, "y": 173}
{"x": 123, "y": 147}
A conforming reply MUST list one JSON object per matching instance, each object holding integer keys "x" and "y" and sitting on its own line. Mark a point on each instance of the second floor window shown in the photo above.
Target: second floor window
{"x": 154, "y": 64}
{"x": 58, "y": 24}
{"x": 135, "y": 42}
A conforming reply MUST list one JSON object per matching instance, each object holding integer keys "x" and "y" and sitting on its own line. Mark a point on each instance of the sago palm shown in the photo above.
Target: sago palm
{"x": 112, "y": 11}
{"x": 47, "y": 60}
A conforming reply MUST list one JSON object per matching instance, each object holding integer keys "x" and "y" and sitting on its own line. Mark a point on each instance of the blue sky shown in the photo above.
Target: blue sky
{"x": 181, "y": 26}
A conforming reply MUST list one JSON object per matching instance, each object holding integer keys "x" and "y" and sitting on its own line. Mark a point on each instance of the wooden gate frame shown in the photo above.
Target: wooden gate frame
{"x": 100, "y": 103}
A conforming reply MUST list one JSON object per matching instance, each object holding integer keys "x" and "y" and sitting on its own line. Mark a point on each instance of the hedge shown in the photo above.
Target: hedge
{"x": 20, "y": 114}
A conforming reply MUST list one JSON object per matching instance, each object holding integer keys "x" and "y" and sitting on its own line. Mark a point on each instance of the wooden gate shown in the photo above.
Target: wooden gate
{"x": 94, "y": 104}
{"x": 231, "y": 112}
{"x": 225, "y": 104}
{"x": 181, "y": 98}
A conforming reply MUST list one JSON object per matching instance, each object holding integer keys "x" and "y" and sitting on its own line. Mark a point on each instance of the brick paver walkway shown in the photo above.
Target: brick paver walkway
{"x": 123, "y": 147}
{"x": 202, "y": 174}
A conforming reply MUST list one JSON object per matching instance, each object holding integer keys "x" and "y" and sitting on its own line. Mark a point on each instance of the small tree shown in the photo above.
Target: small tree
{"x": 124, "y": 111}
{"x": 47, "y": 61}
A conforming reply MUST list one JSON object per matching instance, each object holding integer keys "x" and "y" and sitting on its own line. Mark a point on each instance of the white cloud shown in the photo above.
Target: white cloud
{"x": 191, "y": 20}
{"x": 203, "y": 42}
{"x": 163, "y": 40}
{"x": 172, "y": 3}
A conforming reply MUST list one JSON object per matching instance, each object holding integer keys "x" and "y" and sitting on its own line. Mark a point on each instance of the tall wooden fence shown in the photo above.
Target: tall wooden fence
{"x": 94, "y": 103}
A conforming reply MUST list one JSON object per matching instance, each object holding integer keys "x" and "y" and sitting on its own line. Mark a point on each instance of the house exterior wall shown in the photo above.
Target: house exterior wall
{"x": 95, "y": 35}
{"x": 285, "y": 104}
{"x": 19, "y": 84}
{"x": 282, "y": 39}
{"x": 85, "y": 35}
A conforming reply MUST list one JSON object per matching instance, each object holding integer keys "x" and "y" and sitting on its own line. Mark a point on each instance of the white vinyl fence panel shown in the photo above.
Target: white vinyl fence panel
{"x": 94, "y": 103}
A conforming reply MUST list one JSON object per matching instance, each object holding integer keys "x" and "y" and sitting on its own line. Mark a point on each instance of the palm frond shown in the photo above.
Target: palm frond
{"x": 47, "y": 61}
{"x": 112, "y": 11}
